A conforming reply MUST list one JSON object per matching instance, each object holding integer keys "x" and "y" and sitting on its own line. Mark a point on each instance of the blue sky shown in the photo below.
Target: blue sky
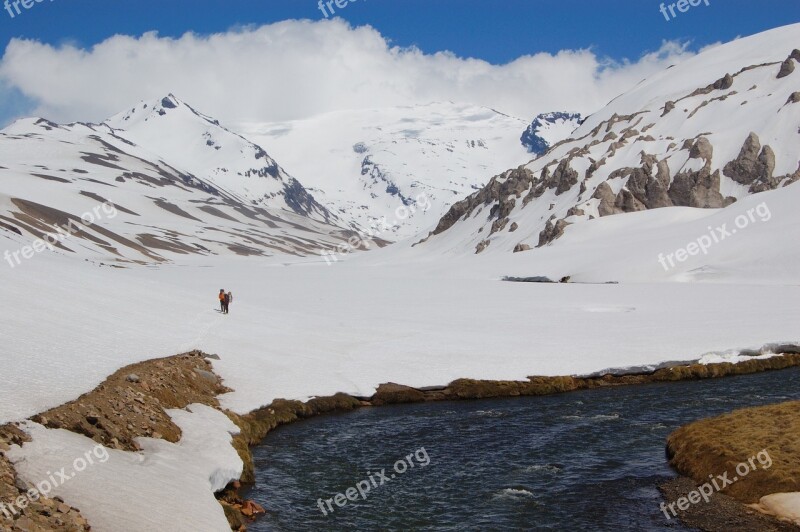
{"x": 497, "y": 31}
{"x": 60, "y": 85}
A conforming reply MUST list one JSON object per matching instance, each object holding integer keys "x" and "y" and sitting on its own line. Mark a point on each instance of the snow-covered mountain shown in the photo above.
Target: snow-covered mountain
{"x": 368, "y": 164}
{"x": 548, "y": 129}
{"x": 704, "y": 133}
{"x": 179, "y": 183}
{"x": 200, "y": 145}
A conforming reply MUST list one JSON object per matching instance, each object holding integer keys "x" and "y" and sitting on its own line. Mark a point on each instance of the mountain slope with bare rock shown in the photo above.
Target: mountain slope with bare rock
{"x": 705, "y": 133}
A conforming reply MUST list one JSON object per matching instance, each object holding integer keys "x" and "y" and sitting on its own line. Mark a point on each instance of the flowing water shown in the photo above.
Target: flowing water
{"x": 588, "y": 460}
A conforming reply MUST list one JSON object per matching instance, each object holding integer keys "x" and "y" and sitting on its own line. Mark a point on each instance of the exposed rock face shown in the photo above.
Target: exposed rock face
{"x": 607, "y": 199}
{"x": 499, "y": 188}
{"x": 724, "y": 83}
{"x": 521, "y": 247}
{"x": 702, "y": 149}
{"x": 787, "y": 67}
{"x": 552, "y": 231}
{"x": 564, "y": 178}
{"x": 754, "y": 166}
{"x": 794, "y": 98}
{"x": 697, "y": 189}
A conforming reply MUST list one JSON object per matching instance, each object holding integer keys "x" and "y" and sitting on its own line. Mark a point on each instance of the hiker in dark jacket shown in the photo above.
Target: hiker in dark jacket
{"x": 228, "y": 301}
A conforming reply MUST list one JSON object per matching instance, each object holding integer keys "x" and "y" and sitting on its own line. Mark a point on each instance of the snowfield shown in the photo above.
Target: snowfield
{"x": 367, "y": 164}
{"x": 300, "y": 327}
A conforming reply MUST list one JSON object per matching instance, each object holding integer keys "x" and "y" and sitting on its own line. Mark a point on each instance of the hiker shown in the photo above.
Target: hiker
{"x": 228, "y": 301}
{"x": 222, "y": 300}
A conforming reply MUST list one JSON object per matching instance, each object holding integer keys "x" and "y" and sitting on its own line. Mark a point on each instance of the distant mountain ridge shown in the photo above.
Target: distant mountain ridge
{"x": 181, "y": 184}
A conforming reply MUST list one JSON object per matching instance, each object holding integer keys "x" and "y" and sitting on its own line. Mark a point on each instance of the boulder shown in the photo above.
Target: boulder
{"x": 787, "y": 67}
{"x": 724, "y": 83}
{"x": 521, "y": 247}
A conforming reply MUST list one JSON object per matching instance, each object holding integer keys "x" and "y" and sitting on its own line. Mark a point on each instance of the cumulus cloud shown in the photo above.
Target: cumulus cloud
{"x": 299, "y": 68}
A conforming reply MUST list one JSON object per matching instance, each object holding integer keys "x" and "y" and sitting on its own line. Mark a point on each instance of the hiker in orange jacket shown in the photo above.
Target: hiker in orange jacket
{"x": 222, "y": 301}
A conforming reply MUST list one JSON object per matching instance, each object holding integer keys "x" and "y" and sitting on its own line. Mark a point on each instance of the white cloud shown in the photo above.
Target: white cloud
{"x": 294, "y": 69}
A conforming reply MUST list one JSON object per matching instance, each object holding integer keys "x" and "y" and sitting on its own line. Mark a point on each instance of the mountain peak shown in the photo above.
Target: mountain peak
{"x": 170, "y": 102}
{"x": 547, "y": 129}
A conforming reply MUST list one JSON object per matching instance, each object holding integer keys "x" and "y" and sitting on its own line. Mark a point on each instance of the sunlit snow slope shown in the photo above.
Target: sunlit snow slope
{"x": 705, "y": 133}
{"x": 179, "y": 184}
{"x": 369, "y": 164}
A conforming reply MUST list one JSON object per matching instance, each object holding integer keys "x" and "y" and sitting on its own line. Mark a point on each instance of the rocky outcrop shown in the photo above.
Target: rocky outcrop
{"x": 564, "y": 177}
{"x": 698, "y": 188}
{"x": 482, "y": 245}
{"x": 607, "y": 205}
{"x": 724, "y": 83}
{"x": 787, "y": 67}
{"x": 511, "y": 183}
{"x": 521, "y": 247}
{"x": 754, "y": 166}
{"x": 552, "y": 231}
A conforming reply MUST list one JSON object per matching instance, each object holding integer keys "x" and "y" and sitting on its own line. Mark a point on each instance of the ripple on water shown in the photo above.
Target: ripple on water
{"x": 514, "y": 494}
{"x": 553, "y": 469}
{"x": 491, "y": 413}
{"x": 597, "y": 417}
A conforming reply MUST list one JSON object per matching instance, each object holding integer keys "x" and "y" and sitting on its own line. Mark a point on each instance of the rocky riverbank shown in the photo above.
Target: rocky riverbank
{"x": 133, "y": 401}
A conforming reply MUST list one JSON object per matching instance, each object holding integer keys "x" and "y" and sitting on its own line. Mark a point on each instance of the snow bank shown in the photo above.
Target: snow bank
{"x": 166, "y": 486}
{"x": 785, "y": 505}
